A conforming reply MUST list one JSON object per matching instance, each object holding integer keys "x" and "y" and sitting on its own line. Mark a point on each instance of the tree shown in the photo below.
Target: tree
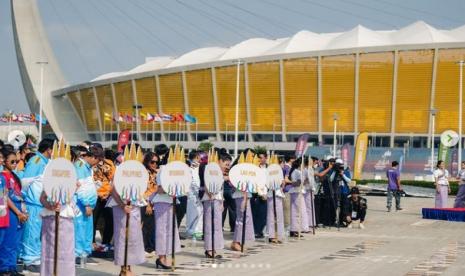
{"x": 260, "y": 150}
{"x": 205, "y": 146}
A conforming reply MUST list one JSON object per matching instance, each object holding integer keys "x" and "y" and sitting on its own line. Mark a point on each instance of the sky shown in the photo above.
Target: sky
{"x": 94, "y": 37}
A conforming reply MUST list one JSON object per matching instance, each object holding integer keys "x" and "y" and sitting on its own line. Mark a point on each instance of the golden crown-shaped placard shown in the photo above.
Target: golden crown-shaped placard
{"x": 249, "y": 158}
{"x": 61, "y": 150}
{"x": 212, "y": 156}
{"x": 176, "y": 155}
{"x": 134, "y": 153}
{"x": 273, "y": 159}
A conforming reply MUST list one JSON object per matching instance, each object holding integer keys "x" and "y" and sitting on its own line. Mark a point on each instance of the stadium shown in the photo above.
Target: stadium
{"x": 381, "y": 82}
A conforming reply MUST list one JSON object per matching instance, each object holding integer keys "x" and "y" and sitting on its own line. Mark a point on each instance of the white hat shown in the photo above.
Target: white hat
{"x": 339, "y": 161}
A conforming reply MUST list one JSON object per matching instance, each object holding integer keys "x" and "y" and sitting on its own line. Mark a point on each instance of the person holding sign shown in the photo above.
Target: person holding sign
{"x": 17, "y": 216}
{"x": 275, "y": 198}
{"x": 31, "y": 245}
{"x": 86, "y": 199}
{"x": 59, "y": 186}
{"x": 173, "y": 181}
{"x": 299, "y": 216}
{"x": 213, "y": 203}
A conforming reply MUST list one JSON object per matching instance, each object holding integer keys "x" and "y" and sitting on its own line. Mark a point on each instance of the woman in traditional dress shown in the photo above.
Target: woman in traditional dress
{"x": 9, "y": 248}
{"x": 299, "y": 217}
{"x": 309, "y": 186}
{"x": 163, "y": 212}
{"x": 135, "y": 253}
{"x": 215, "y": 200}
{"x": 240, "y": 200}
{"x": 275, "y": 237}
{"x": 148, "y": 222}
{"x": 441, "y": 180}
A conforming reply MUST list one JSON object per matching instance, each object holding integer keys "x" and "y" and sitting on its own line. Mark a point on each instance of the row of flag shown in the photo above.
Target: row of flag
{"x": 150, "y": 117}
{"x": 9, "y": 116}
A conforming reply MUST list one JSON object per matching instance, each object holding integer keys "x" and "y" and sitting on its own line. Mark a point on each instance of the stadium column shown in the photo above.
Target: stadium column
{"x": 160, "y": 108}
{"x": 247, "y": 103}
{"x": 433, "y": 92}
{"x": 215, "y": 105}
{"x": 99, "y": 118}
{"x": 282, "y": 93}
{"x": 320, "y": 99}
{"x": 186, "y": 104}
{"x": 394, "y": 97}
{"x": 81, "y": 116}
{"x": 82, "y": 111}
{"x": 115, "y": 106}
{"x": 356, "y": 90}
{"x": 137, "y": 109}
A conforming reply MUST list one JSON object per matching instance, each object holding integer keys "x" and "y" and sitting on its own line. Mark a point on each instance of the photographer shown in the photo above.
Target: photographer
{"x": 340, "y": 179}
{"x": 355, "y": 208}
{"x": 394, "y": 188}
{"x": 327, "y": 216}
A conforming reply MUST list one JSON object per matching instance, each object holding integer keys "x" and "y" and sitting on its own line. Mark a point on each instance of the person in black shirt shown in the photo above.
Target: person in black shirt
{"x": 355, "y": 208}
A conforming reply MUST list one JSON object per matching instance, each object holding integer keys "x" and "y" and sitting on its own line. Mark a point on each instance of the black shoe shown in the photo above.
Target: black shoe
{"x": 77, "y": 261}
{"x": 183, "y": 246}
{"x": 208, "y": 256}
{"x": 295, "y": 234}
{"x": 399, "y": 209}
{"x": 159, "y": 265}
{"x": 275, "y": 241}
{"x": 33, "y": 269}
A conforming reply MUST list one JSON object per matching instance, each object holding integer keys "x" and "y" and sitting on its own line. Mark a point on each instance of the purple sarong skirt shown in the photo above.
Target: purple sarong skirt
{"x": 135, "y": 241}
{"x": 270, "y": 223}
{"x": 249, "y": 232}
{"x": 441, "y": 197}
{"x": 66, "y": 259}
{"x": 163, "y": 213}
{"x": 207, "y": 223}
{"x": 310, "y": 208}
{"x": 460, "y": 198}
{"x": 299, "y": 216}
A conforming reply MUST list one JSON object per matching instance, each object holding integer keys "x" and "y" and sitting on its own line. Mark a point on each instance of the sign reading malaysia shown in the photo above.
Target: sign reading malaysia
{"x": 213, "y": 177}
{"x": 130, "y": 181}
{"x": 59, "y": 182}
{"x": 247, "y": 177}
{"x": 275, "y": 177}
{"x": 175, "y": 178}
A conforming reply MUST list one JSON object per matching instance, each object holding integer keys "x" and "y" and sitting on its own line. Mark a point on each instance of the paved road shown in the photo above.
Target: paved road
{"x": 396, "y": 243}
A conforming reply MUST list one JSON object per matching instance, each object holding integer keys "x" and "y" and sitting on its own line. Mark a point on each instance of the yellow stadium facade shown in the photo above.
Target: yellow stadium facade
{"x": 385, "y": 90}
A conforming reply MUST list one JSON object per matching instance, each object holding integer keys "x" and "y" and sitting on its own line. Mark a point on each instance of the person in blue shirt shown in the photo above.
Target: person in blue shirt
{"x": 86, "y": 199}
{"x": 32, "y": 189}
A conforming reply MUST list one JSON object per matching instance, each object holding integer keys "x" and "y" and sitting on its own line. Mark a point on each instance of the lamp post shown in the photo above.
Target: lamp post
{"x": 335, "y": 118}
{"x": 460, "y": 63}
{"x": 41, "y": 96}
{"x": 236, "y": 129}
{"x": 433, "y": 112}
{"x": 136, "y": 108}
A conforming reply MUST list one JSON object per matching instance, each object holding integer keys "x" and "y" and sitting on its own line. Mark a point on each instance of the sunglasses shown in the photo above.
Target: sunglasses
{"x": 13, "y": 161}
{"x": 153, "y": 162}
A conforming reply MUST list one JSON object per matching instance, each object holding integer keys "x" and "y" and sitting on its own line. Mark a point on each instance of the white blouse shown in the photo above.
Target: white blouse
{"x": 441, "y": 177}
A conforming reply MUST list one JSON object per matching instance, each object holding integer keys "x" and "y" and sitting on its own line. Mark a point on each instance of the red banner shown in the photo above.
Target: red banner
{"x": 123, "y": 139}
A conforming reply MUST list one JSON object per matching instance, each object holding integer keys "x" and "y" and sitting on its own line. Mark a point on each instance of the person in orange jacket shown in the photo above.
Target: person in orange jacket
{"x": 103, "y": 176}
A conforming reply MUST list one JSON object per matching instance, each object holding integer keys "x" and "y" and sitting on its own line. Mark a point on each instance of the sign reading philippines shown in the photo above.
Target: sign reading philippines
{"x": 59, "y": 182}
{"x": 131, "y": 177}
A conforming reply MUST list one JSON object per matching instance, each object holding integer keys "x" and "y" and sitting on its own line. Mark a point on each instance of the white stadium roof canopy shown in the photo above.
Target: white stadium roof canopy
{"x": 416, "y": 33}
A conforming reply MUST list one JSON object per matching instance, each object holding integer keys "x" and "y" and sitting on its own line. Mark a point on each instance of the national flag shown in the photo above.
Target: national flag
{"x": 166, "y": 117}
{"x": 120, "y": 118}
{"x": 42, "y": 120}
{"x": 142, "y": 118}
{"x": 149, "y": 117}
{"x": 157, "y": 118}
{"x": 32, "y": 118}
{"x": 107, "y": 116}
{"x": 128, "y": 118}
{"x": 179, "y": 117}
{"x": 190, "y": 119}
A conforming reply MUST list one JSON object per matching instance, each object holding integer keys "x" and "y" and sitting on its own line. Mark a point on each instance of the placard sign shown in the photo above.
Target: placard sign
{"x": 247, "y": 177}
{"x": 59, "y": 182}
{"x": 213, "y": 177}
{"x": 275, "y": 177}
{"x": 130, "y": 181}
{"x": 176, "y": 178}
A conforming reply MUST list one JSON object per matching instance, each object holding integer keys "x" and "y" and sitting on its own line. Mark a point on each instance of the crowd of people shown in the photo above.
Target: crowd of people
{"x": 27, "y": 221}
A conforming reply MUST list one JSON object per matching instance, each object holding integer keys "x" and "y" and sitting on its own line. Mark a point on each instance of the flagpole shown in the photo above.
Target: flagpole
{"x": 236, "y": 140}
{"x": 41, "y": 103}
